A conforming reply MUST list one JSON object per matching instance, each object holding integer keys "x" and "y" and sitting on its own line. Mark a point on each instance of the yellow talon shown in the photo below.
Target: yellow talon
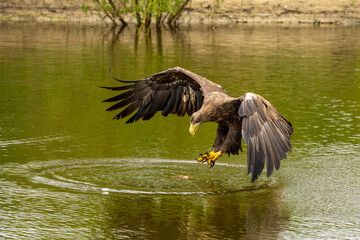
{"x": 210, "y": 158}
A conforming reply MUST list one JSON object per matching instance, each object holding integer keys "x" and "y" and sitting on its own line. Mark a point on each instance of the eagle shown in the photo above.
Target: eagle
{"x": 179, "y": 91}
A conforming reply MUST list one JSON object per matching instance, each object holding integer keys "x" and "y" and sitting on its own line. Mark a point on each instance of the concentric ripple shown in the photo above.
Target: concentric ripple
{"x": 132, "y": 176}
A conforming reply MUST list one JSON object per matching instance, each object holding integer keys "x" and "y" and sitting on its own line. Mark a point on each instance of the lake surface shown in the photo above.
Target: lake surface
{"x": 69, "y": 171}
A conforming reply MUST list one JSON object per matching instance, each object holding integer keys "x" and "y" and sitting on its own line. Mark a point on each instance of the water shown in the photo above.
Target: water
{"x": 69, "y": 171}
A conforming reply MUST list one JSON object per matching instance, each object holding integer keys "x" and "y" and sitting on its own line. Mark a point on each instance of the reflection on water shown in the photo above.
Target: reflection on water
{"x": 234, "y": 216}
{"x": 256, "y": 212}
{"x": 69, "y": 171}
{"x": 242, "y": 214}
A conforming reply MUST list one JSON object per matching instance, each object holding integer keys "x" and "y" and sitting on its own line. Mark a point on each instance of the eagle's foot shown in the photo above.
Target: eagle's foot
{"x": 210, "y": 158}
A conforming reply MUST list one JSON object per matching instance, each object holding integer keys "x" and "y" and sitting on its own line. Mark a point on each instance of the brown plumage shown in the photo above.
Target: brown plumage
{"x": 179, "y": 91}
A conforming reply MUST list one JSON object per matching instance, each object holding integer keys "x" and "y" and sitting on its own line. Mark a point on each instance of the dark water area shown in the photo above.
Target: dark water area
{"x": 67, "y": 170}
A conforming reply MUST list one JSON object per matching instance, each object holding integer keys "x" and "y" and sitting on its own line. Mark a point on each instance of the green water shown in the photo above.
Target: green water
{"x": 69, "y": 171}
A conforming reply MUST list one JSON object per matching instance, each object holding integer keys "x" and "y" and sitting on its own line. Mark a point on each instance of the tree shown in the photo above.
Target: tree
{"x": 145, "y": 11}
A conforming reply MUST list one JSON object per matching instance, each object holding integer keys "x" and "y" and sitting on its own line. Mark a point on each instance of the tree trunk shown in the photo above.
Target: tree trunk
{"x": 137, "y": 9}
{"x": 173, "y": 17}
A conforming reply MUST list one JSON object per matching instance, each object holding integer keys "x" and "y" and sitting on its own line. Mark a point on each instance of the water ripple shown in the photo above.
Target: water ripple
{"x": 134, "y": 176}
{"x": 31, "y": 140}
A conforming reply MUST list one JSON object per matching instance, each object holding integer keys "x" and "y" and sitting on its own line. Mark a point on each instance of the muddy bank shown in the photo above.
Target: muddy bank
{"x": 197, "y": 12}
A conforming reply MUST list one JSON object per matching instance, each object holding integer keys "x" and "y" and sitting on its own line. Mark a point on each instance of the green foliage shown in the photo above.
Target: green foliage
{"x": 145, "y": 11}
{"x": 85, "y": 8}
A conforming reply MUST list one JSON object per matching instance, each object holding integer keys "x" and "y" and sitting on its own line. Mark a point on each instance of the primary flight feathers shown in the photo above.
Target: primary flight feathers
{"x": 171, "y": 92}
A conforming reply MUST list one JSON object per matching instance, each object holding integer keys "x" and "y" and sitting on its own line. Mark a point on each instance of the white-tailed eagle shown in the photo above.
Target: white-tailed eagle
{"x": 179, "y": 91}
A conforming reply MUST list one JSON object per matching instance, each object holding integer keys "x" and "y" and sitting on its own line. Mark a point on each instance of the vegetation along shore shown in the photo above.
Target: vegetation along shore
{"x": 182, "y": 12}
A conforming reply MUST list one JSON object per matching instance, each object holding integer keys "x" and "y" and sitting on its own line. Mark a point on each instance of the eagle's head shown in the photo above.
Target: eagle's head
{"x": 195, "y": 121}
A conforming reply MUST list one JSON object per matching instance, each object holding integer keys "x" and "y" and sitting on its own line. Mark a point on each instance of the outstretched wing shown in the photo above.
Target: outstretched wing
{"x": 266, "y": 133}
{"x": 174, "y": 91}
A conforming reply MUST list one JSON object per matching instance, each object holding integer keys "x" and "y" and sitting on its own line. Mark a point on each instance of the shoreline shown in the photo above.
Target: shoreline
{"x": 198, "y": 12}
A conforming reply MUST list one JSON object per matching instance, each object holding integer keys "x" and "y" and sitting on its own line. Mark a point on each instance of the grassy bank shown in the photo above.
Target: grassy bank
{"x": 196, "y": 12}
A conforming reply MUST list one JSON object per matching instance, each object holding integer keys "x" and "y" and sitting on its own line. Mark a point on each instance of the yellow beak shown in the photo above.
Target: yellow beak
{"x": 193, "y": 128}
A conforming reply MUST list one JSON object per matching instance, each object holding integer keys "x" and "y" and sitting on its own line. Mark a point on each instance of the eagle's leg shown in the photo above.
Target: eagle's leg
{"x": 210, "y": 158}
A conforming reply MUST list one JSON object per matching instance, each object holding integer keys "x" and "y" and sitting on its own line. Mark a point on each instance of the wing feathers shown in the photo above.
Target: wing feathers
{"x": 128, "y": 110}
{"x": 154, "y": 105}
{"x": 198, "y": 99}
{"x": 174, "y": 91}
{"x": 266, "y": 133}
{"x": 191, "y": 102}
{"x": 170, "y": 103}
{"x": 139, "y": 114}
{"x": 120, "y": 96}
{"x": 177, "y": 100}
{"x": 184, "y": 102}
{"x": 121, "y": 104}
{"x": 118, "y": 88}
